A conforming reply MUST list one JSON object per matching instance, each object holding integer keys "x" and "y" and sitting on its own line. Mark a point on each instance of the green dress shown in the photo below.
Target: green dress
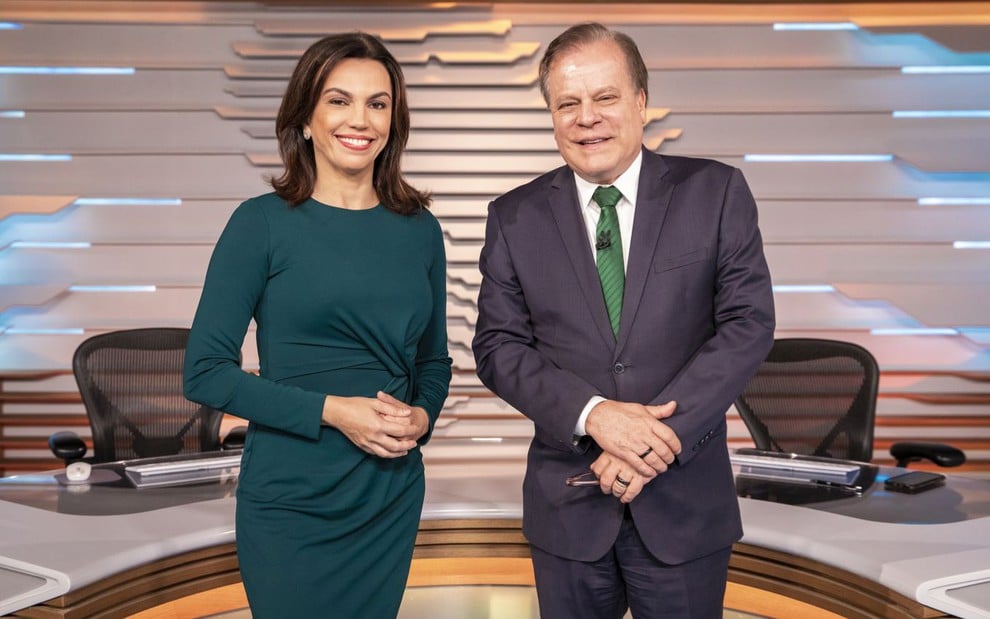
{"x": 346, "y": 303}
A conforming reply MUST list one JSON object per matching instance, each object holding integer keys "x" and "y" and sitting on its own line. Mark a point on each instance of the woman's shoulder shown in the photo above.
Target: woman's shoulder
{"x": 257, "y": 215}
{"x": 427, "y": 223}
{"x": 267, "y": 207}
{"x": 269, "y": 202}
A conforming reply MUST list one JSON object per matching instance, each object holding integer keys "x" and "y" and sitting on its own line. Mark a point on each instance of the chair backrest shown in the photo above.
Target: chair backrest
{"x": 813, "y": 397}
{"x": 131, "y": 384}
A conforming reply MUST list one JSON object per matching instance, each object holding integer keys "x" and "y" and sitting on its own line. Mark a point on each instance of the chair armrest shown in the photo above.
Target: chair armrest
{"x": 67, "y": 446}
{"x": 940, "y": 454}
{"x": 235, "y": 438}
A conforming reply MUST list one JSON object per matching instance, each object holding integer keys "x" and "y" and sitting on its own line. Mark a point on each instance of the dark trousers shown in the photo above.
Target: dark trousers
{"x": 629, "y": 577}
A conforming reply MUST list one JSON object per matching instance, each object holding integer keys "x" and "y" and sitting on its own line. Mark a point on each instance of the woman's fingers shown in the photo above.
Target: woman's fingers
{"x": 389, "y": 405}
{"x": 373, "y": 425}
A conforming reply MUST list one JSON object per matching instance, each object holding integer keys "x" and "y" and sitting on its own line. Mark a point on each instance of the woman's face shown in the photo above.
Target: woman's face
{"x": 352, "y": 118}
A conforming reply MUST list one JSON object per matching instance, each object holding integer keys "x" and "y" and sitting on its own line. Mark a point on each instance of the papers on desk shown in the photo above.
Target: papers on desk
{"x": 802, "y": 469}
{"x": 155, "y": 472}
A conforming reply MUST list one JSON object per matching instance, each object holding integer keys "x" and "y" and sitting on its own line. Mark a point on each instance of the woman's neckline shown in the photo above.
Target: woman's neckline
{"x": 341, "y": 208}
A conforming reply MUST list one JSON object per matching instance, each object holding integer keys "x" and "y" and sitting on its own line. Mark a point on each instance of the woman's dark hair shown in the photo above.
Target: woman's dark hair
{"x": 296, "y": 183}
{"x": 593, "y": 32}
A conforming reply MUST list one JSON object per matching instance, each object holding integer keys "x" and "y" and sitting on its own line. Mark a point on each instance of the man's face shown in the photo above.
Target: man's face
{"x": 598, "y": 114}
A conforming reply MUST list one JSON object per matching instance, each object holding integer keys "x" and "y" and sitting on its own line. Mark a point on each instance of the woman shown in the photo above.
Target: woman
{"x": 343, "y": 270}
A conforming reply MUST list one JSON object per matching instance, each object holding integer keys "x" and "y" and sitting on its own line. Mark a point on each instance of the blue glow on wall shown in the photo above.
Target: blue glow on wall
{"x": 914, "y": 331}
{"x": 841, "y": 25}
{"x": 33, "y": 157}
{"x": 51, "y": 245}
{"x": 954, "y": 201}
{"x": 12, "y": 70}
{"x": 818, "y": 158}
{"x": 127, "y": 202}
{"x": 16, "y": 331}
{"x": 947, "y": 69}
{"x": 941, "y": 114}
{"x": 82, "y": 288}
{"x": 803, "y": 288}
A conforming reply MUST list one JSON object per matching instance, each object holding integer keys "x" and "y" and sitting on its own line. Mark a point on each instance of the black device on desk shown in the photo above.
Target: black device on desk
{"x": 797, "y": 479}
{"x": 914, "y": 482}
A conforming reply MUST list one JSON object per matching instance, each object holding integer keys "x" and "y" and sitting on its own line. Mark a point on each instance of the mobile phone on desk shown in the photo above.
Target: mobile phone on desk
{"x": 914, "y": 482}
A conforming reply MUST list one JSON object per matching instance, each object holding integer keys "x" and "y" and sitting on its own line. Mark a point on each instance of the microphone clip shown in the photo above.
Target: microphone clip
{"x": 604, "y": 240}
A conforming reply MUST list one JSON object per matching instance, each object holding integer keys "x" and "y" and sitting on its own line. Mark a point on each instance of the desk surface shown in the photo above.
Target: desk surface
{"x": 59, "y": 538}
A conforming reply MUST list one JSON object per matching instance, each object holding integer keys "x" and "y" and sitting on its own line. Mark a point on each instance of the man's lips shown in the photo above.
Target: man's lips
{"x": 592, "y": 141}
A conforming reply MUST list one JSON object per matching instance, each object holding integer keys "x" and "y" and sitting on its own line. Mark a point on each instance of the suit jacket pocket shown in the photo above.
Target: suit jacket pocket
{"x": 549, "y": 441}
{"x": 675, "y": 262}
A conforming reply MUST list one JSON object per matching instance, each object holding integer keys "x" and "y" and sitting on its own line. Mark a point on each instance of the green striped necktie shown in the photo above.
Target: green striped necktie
{"x": 608, "y": 250}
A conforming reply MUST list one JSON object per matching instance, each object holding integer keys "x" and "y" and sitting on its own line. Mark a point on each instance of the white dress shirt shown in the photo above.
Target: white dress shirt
{"x": 625, "y": 210}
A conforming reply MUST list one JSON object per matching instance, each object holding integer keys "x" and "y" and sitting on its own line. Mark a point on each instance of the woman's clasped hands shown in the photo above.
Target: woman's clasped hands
{"x": 382, "y": 426}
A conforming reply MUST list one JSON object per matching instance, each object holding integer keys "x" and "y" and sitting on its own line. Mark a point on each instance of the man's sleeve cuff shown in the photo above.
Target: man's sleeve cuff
{"x": 579, "y": 426}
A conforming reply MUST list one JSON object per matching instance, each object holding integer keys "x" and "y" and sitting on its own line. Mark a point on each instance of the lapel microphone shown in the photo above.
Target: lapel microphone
{"x": 604, "y": 240}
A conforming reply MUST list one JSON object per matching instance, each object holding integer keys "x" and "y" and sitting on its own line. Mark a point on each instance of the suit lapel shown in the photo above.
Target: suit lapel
{"x": 651, "y": 208}
{"x": 574, "y": 233}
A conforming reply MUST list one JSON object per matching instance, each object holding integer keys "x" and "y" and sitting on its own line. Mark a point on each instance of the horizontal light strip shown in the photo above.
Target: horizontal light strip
{"x": 837, "y": 25}
{"x": 971, "y": 245}
{"x": 11, "y": 113}
{"x": 128, "y": 202}
{"x": 34, "y": 157}
{"x": 50, "y": 245}
{"x": 9, "y": 70}
{"x": 803, "y": 288}
{"x": 914, "y": 331}
{"x": 818, "y": 158}
{"x": 113, "y": 288}
{"x": 941, "y": 114}
{"x": 9, "y": 25}
{"x": 952, "y": 201}
{"x": 486, "y": 439}
{"x": 947, "y": 69}
{"x": 15, "y": 331}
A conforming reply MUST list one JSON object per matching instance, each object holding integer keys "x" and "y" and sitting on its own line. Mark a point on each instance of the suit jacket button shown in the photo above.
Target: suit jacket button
{"x": 618, "y": 368}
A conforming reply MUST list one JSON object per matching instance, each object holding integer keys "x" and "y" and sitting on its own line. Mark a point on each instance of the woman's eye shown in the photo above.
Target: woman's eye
{"x": 378, "y": 105}
{"x": 337, "y": 102}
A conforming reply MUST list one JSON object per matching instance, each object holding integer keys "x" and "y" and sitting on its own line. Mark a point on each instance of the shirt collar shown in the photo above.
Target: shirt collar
{"x": 627, "y": 183}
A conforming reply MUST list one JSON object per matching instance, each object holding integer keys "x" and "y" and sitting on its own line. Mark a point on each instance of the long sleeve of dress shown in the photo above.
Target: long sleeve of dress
{"x": 433, "y": 363}
{"x": 235, "y": 282}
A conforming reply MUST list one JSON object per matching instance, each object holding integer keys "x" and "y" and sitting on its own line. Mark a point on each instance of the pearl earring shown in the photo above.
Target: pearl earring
{"x": 306, "y": 134}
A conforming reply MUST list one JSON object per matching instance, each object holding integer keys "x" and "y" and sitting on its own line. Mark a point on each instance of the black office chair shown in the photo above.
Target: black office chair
{"x": 818, "y": 397}
{"x": 131, "y": 385}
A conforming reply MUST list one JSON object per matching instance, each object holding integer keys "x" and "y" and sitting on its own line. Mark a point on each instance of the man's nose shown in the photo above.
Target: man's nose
{"x": 588, "y": 113}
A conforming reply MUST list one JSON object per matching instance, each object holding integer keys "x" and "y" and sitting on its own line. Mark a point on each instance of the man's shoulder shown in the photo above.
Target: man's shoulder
{"x": 681, "y": 168}
{"x": 534, "y": 190}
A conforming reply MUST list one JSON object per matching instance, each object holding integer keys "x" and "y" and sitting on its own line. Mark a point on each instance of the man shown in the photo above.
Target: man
{"x": 624, "y": 331}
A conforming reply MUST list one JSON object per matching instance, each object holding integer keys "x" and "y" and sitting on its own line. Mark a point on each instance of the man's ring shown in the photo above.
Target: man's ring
{"x": 648, "y": 451}
{"x": 621, "y": 481}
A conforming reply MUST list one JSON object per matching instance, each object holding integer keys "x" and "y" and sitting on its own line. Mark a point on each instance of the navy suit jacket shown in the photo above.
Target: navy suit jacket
{"x": 697, "y": 321}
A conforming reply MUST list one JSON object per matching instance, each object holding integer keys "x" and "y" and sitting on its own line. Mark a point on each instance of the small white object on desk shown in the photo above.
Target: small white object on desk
{"x": 78, "y": 471}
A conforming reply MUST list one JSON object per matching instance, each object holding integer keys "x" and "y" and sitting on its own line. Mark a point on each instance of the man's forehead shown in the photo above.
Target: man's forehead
{"x": 575, "y": 64}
